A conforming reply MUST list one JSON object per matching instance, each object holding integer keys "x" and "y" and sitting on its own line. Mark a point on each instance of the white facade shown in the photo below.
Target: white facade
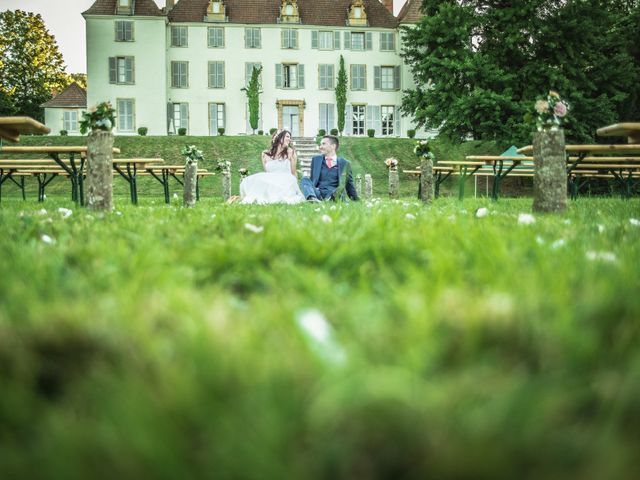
{"x": 144, "y": 95}
{"x": 58, "y": 119}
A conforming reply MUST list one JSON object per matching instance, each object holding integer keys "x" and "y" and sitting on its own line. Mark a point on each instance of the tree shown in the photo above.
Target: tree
{"x": 79, "y": 78}
{"x": 341, "y": 94}
{"x": 31, "y": 66}
{"x": 480, "y": 64}
{"x": 253, "y": 97}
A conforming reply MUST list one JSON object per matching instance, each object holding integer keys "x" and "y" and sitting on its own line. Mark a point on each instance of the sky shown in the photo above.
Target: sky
{"x": 63, "y": 20}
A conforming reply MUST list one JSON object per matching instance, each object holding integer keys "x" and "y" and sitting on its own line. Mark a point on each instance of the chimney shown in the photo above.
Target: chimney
{"x": 388, "y": 4}
{"x": 170, "y": 4}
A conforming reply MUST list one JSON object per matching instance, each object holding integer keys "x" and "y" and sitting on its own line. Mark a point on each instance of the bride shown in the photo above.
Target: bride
{"x": 279, "y": 182}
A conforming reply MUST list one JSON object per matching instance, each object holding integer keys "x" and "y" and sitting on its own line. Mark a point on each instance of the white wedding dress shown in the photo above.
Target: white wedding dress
{"x": 275, "y": 185}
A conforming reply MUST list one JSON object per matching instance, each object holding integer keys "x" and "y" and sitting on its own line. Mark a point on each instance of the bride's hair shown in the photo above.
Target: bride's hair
{"x": 278, "y": 139}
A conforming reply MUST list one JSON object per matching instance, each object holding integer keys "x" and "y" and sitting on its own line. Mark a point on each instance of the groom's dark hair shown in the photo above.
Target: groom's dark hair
{"x": 333, "y": 140}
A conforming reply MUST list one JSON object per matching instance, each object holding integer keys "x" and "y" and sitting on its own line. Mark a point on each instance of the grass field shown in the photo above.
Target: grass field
{"x": 367, "y": 156}
{"x": 371, "y": 340}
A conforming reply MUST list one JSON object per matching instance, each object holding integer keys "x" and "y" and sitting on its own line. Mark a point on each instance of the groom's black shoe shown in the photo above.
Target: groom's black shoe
{"x": 313, "y": 199}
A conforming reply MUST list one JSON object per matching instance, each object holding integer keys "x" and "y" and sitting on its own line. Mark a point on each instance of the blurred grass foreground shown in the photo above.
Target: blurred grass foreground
{"x": 373, "y": 340}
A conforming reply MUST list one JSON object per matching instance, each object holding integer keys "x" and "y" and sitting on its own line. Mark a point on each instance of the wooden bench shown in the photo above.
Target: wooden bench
{"x": 162, "y": 173}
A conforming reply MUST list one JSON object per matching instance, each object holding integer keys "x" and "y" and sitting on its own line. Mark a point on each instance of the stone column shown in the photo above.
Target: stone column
{"x": 226, "y": 185}
{"x": 550, "y": 172}
{"x": 359, "y": 185}
{"x": 99, "y": 181}
{"x": 368, "y": 186}
{"x": 426, "y": 179}
{"x": 393, "y": 183}
{"x": 190, "y": 180}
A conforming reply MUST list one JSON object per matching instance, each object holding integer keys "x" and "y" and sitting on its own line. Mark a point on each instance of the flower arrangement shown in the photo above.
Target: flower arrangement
{"x": 98, "y": 117}
{"x": 548, "y": 113}
{"x": 192, "y": 153}
{"x": 243, "y": 172}
{"x": 224, "y": 166}
{"x": 391, "y": 163}
{"x": 423, "y": 149}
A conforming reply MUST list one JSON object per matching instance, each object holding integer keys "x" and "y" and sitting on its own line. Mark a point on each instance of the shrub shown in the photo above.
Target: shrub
{"x": 322, "y": 132}
{"x": 142, "y": 131}
{"x": 221, "y": 131}
{"x": 272, "y": 131}
{"x": 63, "y": 133}
{"x": 182, "y": 131}
{"x": 334, "y": 132}
{"x": 411, "y": 133}
{"x": 260, "y": 132}
{"x": 371, "y": 132}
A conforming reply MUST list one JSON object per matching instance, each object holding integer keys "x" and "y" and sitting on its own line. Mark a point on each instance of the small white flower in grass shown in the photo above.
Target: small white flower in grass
{"x": 65, "y": 212}
{"x": 482, "y": 212}
{"x": 320, "y": 337}
{"x": 405, "y": 204}
{"x": 175, "y": 195}
{"x": 410, "y": 216}
{"x": 526, "y": 219}
{"x": 600, "y": 228}
{"x": 44, "y": 197}
{"x": 119, "y": 213}
{"x": 567, "y": 221}
{"x": 603, "y": 256}
{"x": 333, "y": 207}
{"x": 317, "y": 209}
{"x": 451, "y": 218}
{"x": 326, "y": 219}
{"x": 561, "y": 242}
{"x": 635, "y": 222}
{"x": 539, "y": 240}
{"x": 42, "y": 211}
{"x": 213, "y": 215}
{"x": 368, "y": 205}
{"x": 47, "y": 239}
{"x": 463, "y": 211}
{"x": 253, "y": 228}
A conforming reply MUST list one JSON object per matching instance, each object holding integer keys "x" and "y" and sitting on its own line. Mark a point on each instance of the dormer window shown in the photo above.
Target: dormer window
{"x": 289, "y": 12}
{"x": 216, "y": 11}
{"x": 357, "y": 14}
{"x": 123, "y": 7}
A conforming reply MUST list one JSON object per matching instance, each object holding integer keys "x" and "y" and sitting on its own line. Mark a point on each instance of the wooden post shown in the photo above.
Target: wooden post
{"x": 190, "y": 181}
{"x": 550, "y": 172}
{"x": 368, "y": 186}
{"x": 226, "y": 185}
{"x": 426, "y": 179}
{"x": 393, "y": 183}
{"x": 99, "y": 171}
{"x": 359, "y": 185}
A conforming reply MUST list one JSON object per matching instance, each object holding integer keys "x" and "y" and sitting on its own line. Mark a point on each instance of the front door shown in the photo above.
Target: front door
{"x": 291, "y": 119}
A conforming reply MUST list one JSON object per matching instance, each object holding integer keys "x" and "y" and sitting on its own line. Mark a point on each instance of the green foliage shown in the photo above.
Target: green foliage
{"x": 272, "y": 131}
{"x": 158, "y": 343}
{"x": 64, "y": 133}
{"x": 253, "y": 97}
{"x": 334, "y": 132}
{"x": 480, "y": 66}
{"x": 371, "y": 132}
{"x": 100, "y": 117}
{"x": 192, "y": 154}
{"x": 322, "y": 132}
{"x": 260, "y": 132}
{"x": 221, "y": 131}
{"x": 341, "y": 94}
{"x": 142, "y": 131}
{"x": 31, "y": 66}
{"x": 411, "y": 133}
{"x": 182, "y": 131}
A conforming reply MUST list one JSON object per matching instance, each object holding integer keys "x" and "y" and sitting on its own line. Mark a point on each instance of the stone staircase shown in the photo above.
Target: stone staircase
{"x": 306, "y": 148}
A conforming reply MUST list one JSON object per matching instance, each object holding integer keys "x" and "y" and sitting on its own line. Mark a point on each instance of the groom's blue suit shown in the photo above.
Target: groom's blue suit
{"x": 324, "y": 181}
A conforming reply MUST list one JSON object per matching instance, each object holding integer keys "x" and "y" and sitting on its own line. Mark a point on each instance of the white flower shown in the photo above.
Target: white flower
{"x": 604, "y": 256}
{"x": 319, "y": 334}
{"x": 368, "y": 205}
{"x": 333, "y": 207}
{"x": 119, "y": 213}
{"x": 539, "y": 240}
{"x": 558, "y": 243}
{"x": 42, "y": 211}
{"x": 451, "y": 218}
{"x": 410, "y": 216}
{"x": 213, "y": 215}
{"x": 567, "y": 221}
{"x": 635, "y": 222}
{"x": 326, "y": 219}
{"x": 253, "y": 228}
{"x": 526, "y": 219}
{"x": 600, "y": 228}
{"x": 175, "y": 195}
{"x": 482, "y": 212}
{"x": 47, "y": 239}
{"x": 65, "y": 212}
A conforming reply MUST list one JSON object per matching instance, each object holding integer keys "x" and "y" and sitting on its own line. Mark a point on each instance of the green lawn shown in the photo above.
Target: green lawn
{"x": 161, "y": 342}
{"x": 367, "y": 156}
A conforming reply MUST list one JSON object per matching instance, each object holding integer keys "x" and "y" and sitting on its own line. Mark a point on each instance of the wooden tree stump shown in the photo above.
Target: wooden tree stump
{"x": 550, "y": 172}
{"x": 368, "y": 186}
{"x": 226, "y": 185}
{"x": 426, "y": 179}
{"x": 99, "y": 181}
{"x": 190, "y": 179}
{"x": 393, "y": 183}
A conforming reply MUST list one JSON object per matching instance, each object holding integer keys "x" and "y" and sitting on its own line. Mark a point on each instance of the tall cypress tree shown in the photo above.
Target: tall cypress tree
{"x": 341, "y": 94}
{"x": 253, "y": 97}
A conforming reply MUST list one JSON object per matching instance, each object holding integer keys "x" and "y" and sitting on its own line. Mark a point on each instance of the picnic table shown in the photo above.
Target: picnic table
{"x": 162, "y": 173}
{"x": 631, "y": 130}
{"x": 12, "y": 127}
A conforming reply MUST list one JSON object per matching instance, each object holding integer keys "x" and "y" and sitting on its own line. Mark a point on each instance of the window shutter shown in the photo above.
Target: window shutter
{"x": 220, "y": 37}
{"x": 113, "y": 70}
{"x": 369, "y": 41}
{"x": 211, "y": 75}
{"x": 377, "y": 78}
{"x": 392, "y": 42}
{"x": 348, "y": 117}
{"x": 300, "y": 76}
{"x": 247, "y": 38}
{"x": 294, "y": 39}
{"x": 278, "y": 75}
{"x": 352, "y": 77}
{"x": 171, "y": 128}
{"x": 396, "y": 121}
{"x": 321, "y": 77}
{"x": 377, "y": 119}
{"x": 331, "y": 122}
{"x": 221, "y": 75}
{"x": 369, "y": 118}
{"x": 256, "y": 38}
{"x": 347, "y": 40}
{"x": 128, "y": 31}
{"x": 284, "y": 38}
{"x": 396, "y": 77}
{"x": 128, "y": 69}
{"x": 184, "y": 115}
{"x": 323, "y": 117}
{"x": 336, "y": 40}
{"x": 330, "y": 76}
{"x": 314, "y": 39}
{"x": 213, "y": 119}
{"x": 224, "y": 115}
{"x": 248, "y": 68}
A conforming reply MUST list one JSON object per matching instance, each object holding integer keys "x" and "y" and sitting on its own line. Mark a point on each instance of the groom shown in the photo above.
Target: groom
{"x": 330, "y": 174}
